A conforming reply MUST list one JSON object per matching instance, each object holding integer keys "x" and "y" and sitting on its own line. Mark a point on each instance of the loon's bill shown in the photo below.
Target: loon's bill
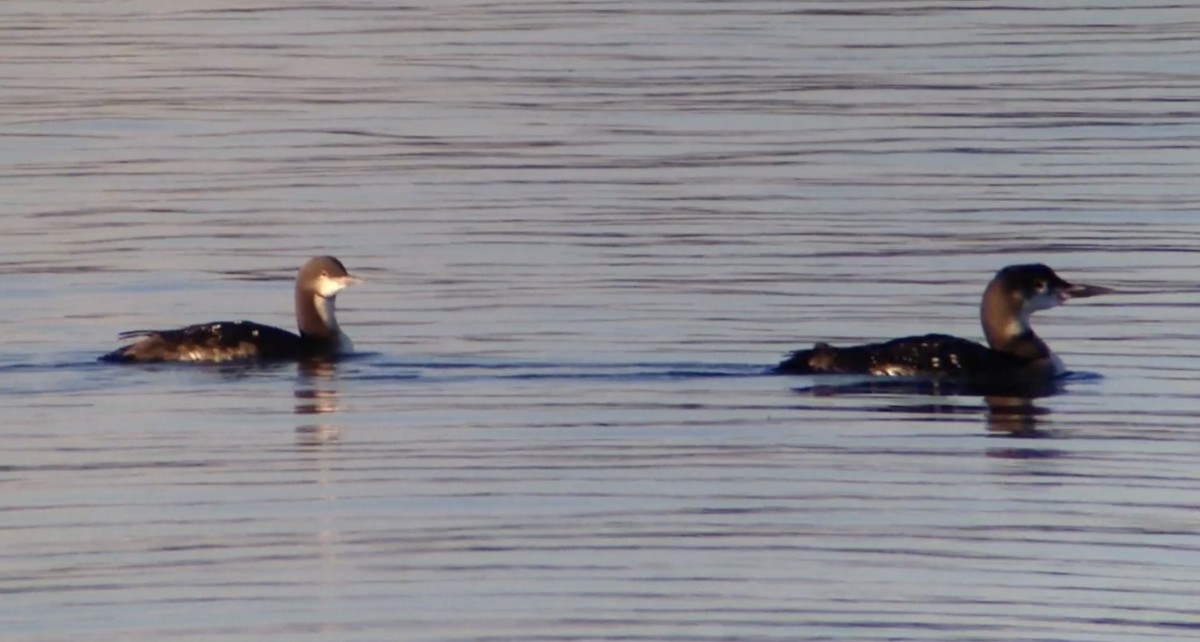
{"x": 317, "y": 284}
{"x": 1014, "y": 355}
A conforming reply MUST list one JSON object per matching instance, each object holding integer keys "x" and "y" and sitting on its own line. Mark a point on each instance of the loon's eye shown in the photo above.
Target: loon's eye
{"x": 1040, "y": 286}
{"x": 324, "y": 273}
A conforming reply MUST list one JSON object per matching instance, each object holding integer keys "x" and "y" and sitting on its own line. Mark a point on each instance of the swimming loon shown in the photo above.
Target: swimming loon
{"x": 1014, "y": 356}
{"x": 317, "y": 285}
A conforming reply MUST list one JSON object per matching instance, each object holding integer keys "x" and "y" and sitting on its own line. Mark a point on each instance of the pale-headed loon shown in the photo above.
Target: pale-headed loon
{"x": 317, "y": 285}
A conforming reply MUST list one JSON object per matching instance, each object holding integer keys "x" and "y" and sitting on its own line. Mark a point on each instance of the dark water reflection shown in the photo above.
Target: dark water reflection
{"x": 1015, "y": 416}
{"x": 1009, "y": 412}
{"x": 588, "y": 228}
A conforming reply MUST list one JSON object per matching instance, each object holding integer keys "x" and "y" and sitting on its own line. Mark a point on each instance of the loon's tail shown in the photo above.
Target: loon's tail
{"x": 821, "y": 359}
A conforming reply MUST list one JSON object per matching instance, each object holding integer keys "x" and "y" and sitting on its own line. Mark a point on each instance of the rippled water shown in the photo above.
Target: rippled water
{"x": 587, "y": 228}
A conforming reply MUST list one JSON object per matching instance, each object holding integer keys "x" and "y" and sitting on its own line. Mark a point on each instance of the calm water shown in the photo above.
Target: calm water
{"x": 586, "y": 228}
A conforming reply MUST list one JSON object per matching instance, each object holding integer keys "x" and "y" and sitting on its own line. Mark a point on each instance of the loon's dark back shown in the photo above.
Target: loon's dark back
{"x": 211, "y": 342}
{"x": 925, "y": 355}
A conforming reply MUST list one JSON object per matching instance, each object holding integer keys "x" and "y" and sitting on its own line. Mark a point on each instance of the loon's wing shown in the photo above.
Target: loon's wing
{"x": 218, "y": 341}
{"x": 926, "y": 355}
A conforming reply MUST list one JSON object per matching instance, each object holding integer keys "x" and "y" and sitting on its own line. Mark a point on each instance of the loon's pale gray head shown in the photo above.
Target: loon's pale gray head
{"x": 317, "y": 286}
{"x": 325, "y": 276}
{"x": 1015, "y": 293}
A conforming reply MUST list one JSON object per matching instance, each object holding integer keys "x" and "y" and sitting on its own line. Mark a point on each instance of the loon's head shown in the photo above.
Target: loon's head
{"x": 317, "y": 285}
{"x": 324, "y": 276}
{"x": 1017, "y": 291}
{"x": 1034, "y": 287}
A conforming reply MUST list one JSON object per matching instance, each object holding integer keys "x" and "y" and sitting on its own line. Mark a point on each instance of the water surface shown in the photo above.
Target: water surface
{"x": 587, "y": 228}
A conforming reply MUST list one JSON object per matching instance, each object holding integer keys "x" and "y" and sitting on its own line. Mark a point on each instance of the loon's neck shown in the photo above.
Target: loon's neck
{"x": 315, "y": 315}
{"x": 1007, "y": 328}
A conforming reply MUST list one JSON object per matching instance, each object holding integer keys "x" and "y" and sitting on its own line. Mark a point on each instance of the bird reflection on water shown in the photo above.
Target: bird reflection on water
{"x": 1007, "y": 412}
{"x": 316, "y": 395}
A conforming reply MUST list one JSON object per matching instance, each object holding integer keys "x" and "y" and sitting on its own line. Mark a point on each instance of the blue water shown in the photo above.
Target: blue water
{"x": 587, "y": 230}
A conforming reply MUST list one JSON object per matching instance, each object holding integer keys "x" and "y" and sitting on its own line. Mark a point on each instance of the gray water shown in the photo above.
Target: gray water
{"x": 587, "y": 228}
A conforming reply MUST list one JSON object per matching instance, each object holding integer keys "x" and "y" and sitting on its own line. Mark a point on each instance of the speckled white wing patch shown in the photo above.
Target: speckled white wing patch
{"x": 892, "y": 370}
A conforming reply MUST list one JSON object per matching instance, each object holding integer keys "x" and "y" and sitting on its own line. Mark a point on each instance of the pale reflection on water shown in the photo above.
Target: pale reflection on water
{"x": 316, "y": 394}
{"x": 588, "y": 228}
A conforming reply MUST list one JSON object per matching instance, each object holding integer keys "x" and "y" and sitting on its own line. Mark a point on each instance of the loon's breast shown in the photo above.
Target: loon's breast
{"x": 212, "y": 342}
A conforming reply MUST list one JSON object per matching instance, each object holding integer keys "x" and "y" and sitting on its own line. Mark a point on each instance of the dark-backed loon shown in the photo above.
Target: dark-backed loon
{"x": 1014, "y": 356}
{"x": 317, "y": 285}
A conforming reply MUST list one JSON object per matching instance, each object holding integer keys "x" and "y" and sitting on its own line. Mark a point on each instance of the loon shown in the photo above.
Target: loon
{"x": 317, "y": 285}
{"x": 1014, "y": 357}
